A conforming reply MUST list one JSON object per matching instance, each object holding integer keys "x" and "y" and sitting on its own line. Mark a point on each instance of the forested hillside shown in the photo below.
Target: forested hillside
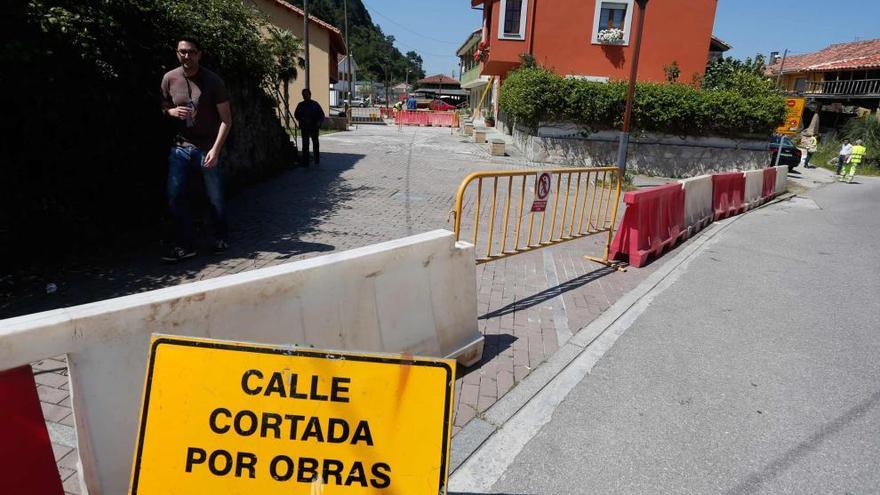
{"x": 373, "y": 50}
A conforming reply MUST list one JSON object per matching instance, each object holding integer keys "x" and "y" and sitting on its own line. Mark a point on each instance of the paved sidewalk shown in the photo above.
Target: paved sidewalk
{"x": 374, "y": 184}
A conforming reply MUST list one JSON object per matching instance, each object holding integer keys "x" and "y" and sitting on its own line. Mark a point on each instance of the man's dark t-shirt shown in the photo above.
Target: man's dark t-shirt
{"x": 309, "y": 114}
{"x": 206, "y": 90}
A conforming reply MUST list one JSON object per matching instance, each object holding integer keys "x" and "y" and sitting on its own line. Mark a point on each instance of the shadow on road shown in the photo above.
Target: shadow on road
{"x": 754, "y": 483}
{"x": 267, "y": 221}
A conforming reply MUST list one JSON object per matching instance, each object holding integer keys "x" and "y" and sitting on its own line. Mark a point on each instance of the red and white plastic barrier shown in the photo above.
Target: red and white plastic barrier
{"x": 653, "y": 222}
{"x": 728, "y": 190}
{"x": 26, "y": 459}
{"x": 657, "y": 218}
{"x": 781, "y": 175}
{"x": 768, "y": 189}
{"x": 754, "y": 184}
{"x": 698, "y": 211}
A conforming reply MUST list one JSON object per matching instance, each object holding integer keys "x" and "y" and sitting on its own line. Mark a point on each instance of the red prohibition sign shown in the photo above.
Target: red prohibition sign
{"x": 543, "y": 189}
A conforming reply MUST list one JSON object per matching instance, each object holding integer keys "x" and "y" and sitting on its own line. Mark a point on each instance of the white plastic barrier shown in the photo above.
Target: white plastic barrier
{"x": 754, "y": 184}
{"x": 416, "y": 295}
{"x": 781, "y": 176}
{"x": 698, "y": 210}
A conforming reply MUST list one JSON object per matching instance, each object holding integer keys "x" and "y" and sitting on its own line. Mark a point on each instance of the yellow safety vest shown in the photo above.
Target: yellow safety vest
{"x": 858, "y": 152}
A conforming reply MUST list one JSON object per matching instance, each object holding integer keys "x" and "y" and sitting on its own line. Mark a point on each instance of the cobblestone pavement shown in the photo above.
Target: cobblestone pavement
{"x": 374, "y": 184}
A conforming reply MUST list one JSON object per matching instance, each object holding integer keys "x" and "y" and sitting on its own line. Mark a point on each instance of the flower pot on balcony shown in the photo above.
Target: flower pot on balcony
{"x": 610, "y": 36}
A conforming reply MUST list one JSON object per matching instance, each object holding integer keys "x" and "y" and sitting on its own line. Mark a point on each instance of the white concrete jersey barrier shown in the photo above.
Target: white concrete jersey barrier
{"x": 416, "y": 295}
{"x": 754, "y": 185}
{"x": 781, "y": 176}
{"x": 698, "y": 210}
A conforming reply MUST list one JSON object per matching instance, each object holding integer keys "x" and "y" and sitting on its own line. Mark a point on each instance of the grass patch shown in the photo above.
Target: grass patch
{"x": 826, "y": 157}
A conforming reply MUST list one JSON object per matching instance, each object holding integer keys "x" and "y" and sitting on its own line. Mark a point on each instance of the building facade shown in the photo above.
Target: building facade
{"x": 471, "y": 78}
{"x": 325, "y": 47}
{"x": 592, "y": 38}
{"x": 838, "y": 82}
{"x": 339, "y": 90}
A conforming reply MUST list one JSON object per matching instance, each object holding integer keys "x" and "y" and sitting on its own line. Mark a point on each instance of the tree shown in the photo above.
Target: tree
{"x": 414, "y": 65}
{"x": 287, "y": 49}
{"x": 373, "y": 51}
{"x": 743, "y": 76}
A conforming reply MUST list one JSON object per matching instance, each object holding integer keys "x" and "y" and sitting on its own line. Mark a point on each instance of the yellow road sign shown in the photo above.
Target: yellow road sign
{"x": 794, "y": 110}
{"x": 224, "y": 417}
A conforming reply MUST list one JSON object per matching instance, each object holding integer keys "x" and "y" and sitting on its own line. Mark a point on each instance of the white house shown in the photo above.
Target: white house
{"x": 339, "y": 90}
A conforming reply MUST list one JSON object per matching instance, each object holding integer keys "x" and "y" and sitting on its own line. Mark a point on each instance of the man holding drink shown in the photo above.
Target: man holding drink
{"x": 197, "y": 100}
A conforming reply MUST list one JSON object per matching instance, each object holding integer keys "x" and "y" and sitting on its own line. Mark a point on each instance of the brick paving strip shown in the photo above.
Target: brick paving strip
{"x": 374, "y": 184}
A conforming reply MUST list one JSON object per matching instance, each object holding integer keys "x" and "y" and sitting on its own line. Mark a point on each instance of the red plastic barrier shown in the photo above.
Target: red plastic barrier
{"x": 27, "y": 464}
{"x": 410, "y": 117}
{"x": 728, "y": 191}
{"x": 653, "y": 222}
{"x": 442, "y": 119}
{"x": 438, "y": 119}
{"x": 768, "y": 191}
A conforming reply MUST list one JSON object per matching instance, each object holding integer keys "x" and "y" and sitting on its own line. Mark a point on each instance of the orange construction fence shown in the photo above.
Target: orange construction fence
{"x": 426, "y": 118}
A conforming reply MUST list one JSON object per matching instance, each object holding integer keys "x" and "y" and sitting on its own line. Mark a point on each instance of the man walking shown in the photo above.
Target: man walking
{"x": 855, "y": 158}
{"x": 843, "y": 156}
{"x": 197, "y": 100}
{"x": 310, "y": 116}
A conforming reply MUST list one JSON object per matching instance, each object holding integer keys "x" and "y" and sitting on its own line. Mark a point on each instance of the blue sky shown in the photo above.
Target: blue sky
{"x": 762, "y": 26}
{"x": 436, "y": 28}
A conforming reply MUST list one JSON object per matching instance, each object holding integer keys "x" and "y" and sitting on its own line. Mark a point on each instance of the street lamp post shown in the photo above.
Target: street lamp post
{"x": 306, "y": 40}
{"x": 348, "y": 63}
{"x": 631, "y": 88}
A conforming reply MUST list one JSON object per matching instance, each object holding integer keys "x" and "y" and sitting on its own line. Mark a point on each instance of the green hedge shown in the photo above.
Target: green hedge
{"x": 535, "y": 95}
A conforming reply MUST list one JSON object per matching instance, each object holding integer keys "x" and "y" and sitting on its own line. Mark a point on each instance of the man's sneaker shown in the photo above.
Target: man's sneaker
{"x": 220, "y": 246}
{"x": 178, "y": 254}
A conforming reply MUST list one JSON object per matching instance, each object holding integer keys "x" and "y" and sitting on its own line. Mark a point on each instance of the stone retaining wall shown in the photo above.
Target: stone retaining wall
{"x": 649, "y": 153}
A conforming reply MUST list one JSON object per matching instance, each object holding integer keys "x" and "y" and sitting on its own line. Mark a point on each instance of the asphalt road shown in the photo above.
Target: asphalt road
{"x": 757, "y": 371}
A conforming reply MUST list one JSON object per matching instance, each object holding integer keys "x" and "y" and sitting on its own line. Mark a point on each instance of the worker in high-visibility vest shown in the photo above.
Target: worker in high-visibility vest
{"x": 855, "y": 158}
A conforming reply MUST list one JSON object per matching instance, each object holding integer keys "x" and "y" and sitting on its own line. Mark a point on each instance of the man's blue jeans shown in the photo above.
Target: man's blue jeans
{"x": 185, "y": 162}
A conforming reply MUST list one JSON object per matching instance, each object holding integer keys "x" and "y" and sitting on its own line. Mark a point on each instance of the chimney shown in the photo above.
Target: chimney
{"x": 774, "y": 57}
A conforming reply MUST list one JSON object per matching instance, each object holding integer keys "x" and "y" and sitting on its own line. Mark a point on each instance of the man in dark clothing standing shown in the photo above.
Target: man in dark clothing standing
{"x": 197, "y": 100}
{"x": 310, "y": 116}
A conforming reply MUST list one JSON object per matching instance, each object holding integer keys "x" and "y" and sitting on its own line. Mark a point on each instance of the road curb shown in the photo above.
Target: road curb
{"x": 584, "y": 344}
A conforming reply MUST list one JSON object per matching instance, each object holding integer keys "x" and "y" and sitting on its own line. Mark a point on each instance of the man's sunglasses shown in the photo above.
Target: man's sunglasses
{"x": 187, "y": 52}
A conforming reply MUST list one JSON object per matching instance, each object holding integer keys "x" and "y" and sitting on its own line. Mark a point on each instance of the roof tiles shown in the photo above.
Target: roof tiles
{"x": 840, "y": 56}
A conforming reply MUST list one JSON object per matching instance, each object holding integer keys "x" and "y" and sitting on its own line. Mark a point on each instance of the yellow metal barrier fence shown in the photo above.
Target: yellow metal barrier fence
{"x": 582, "y": 202}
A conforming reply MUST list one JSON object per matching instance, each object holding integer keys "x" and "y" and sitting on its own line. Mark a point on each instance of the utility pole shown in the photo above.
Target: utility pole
{"x": 781, "y": 66}
{"x": 306, "y": 39}
{"x": 781, "y": 136}
{"x": 631, "y": 88}
{"x": 348, "y": 50}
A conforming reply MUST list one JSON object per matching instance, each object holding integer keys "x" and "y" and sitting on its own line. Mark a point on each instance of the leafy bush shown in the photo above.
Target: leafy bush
{"x": 534, "y": 95}
{"x": 736, "y": 75}
{"x": 868, "y": 130}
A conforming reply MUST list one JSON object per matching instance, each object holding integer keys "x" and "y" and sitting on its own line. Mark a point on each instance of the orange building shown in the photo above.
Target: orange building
{"x": 591, "y": 38}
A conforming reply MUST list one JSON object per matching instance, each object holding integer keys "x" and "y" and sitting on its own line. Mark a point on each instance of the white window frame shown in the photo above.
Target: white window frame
{"x": 522, "y": 22}
{"x": 627, "y": 21}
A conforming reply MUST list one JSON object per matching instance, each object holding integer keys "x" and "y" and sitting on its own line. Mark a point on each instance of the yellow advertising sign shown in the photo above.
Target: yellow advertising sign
{"x": 794, "y": 110}
{"x": 223, "y": 417}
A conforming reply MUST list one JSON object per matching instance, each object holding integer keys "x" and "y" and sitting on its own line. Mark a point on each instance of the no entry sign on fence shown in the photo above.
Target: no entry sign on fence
{"x": 542, "y": 190}
{"x": 226, "y": 417}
